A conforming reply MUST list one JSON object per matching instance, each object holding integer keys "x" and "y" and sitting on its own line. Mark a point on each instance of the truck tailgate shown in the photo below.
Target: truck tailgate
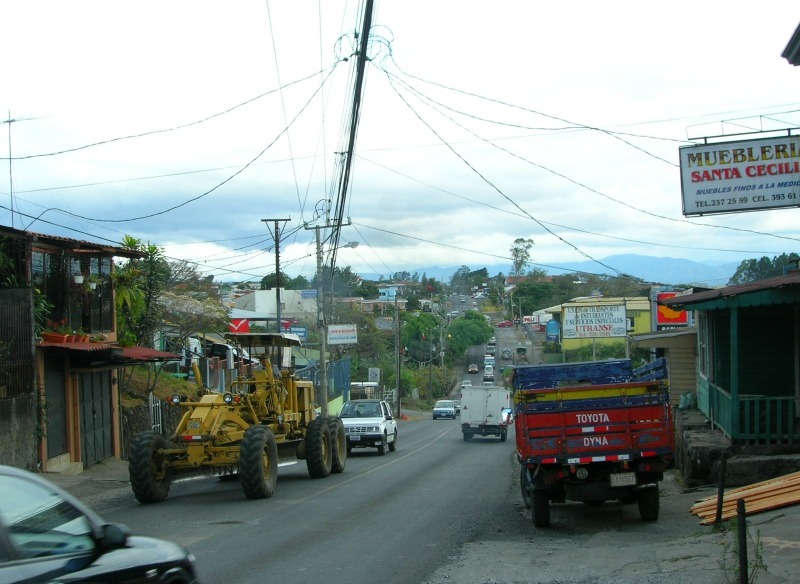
{"x": 568, "y": 425}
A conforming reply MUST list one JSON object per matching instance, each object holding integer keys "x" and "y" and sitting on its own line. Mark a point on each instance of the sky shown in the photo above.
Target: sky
{"x": 193, "y": 125}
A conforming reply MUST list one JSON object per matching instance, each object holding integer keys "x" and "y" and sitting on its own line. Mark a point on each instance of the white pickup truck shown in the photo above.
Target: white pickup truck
{"x": 369, "y": 423}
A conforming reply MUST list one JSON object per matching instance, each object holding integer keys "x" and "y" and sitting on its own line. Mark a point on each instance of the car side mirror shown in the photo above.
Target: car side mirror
{"x": 114, "y": 535}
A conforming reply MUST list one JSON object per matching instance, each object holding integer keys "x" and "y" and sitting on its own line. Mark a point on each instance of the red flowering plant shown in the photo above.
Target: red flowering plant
{"x": 58, "y": 326}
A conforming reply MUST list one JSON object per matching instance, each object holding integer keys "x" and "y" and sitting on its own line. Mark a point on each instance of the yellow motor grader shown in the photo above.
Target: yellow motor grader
{"x": 263, "y": 416}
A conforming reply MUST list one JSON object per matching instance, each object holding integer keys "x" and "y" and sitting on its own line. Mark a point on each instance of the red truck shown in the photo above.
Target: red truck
{"x": 590, "y": 432}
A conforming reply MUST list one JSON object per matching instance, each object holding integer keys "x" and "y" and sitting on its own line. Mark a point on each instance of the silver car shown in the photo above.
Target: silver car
{"x": 444, "y": 408}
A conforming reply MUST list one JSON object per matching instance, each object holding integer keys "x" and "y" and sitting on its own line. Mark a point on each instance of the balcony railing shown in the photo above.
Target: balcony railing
{"x": 756, "y": 419}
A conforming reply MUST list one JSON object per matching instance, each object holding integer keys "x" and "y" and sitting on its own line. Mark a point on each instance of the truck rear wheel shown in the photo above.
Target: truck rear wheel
{"x": 467, "y": 436}
{"x": 540, "y": 500}
{"x": 523, "y": 487}
{"x": 649, "y": 504}
{"x": 149, "y": 471}
{"x": 319, "y": 454}
{"x": 503, "y": 435}
{"x": 338, "y": 445}
{"x": 258, "y": 463}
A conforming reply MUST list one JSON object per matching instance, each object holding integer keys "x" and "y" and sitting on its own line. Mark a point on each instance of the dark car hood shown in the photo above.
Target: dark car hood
{"x": 140, "y": 555}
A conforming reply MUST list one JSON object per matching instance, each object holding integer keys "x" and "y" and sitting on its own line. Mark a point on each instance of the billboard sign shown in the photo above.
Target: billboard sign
{"x": 342, "y": 334}
{"x": 668, "y": 316}
{"x": 552, "y": 330}
{"x": 300, "y": 331}
{"x": 594, "y": 322}
{"x": 748, "y": 175}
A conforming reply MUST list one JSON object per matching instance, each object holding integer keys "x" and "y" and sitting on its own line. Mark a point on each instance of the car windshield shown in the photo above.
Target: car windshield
{"x": 443, "y": 404}
{"x": 361, "y": 410}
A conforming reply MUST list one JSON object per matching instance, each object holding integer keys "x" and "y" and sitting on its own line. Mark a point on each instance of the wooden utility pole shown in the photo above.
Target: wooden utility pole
{"x": 277, "y": 237}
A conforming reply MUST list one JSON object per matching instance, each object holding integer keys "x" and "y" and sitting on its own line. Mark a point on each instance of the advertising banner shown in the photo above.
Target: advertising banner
{"x": 593, "y": 322}
{"x": 342, "y": 334}
{"x": 666, "y": 316}
{"x": 747, "y": 175}
{"x": 239, "y": 325}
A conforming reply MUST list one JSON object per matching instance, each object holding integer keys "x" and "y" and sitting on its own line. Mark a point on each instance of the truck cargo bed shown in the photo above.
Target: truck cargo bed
{"x": 593, "y": 423}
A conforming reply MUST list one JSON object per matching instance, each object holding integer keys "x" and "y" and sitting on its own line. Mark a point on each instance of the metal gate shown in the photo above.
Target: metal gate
{"x": 96, "y": 420}
{"x": 16, "y": 343}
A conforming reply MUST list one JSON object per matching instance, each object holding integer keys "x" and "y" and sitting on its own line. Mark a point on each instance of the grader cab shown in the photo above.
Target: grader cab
{"x": 264, "y": 417}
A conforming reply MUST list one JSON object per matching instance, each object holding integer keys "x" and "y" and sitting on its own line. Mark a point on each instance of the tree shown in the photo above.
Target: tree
{"x": 752, "y": 270}
{"x": 466, "y": 331}
{"x": 185, "y": 278}
{"x": 367, "y": 290}
{"x": 188, "y": 316}
{"x": 460, "y": 279}
{"x": 520, "y": 255}
{"x": 138, "y": 283}
{"x": 533, "y": 296}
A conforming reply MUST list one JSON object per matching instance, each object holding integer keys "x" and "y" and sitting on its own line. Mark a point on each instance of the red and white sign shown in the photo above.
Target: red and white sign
{"x": 342, "y": 334}
{"x": 239, "y": 325}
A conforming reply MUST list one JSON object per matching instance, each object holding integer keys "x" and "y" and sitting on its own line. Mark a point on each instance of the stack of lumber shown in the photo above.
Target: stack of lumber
{"x": 764, "y": 496}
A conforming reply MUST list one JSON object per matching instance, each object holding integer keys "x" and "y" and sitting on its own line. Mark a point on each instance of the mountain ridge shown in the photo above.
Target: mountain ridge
{"x": 658, "y": 270}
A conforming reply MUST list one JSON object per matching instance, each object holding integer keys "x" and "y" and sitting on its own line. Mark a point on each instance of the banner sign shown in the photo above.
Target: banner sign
{"x": 666, "y": 315}
{"x": 747, "y": 175}
{"x": 300, "y": 331}
{"x": 342, "y": 334}
{"x": 239, "y": 325}
{"x": 592, "y": 322}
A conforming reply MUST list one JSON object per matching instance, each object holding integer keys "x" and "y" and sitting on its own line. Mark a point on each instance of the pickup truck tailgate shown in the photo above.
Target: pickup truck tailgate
{"x": 618, "y": 421}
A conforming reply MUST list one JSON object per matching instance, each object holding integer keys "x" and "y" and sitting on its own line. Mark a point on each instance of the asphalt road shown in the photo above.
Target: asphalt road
{"x": 394, "y": 518}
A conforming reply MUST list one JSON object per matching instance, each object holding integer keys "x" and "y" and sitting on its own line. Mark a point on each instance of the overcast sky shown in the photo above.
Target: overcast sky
{"x": 481, "y": 122}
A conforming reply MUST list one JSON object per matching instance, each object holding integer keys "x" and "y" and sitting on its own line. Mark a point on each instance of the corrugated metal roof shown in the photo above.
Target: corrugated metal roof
{"x": 73, "y": 245}
{"x": 146, "y": 354}
{"x": 117, "y": 353}
{"x": 792, "y": 51}
{"x": 790, "y": 279}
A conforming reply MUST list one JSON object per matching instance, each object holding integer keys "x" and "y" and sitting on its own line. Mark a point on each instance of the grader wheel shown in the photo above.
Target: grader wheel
{"x": 258, "y": 463}
{"x": 149, "y": 472}
{"x": 319, "y": 454}
{"x": 338, "y": 445}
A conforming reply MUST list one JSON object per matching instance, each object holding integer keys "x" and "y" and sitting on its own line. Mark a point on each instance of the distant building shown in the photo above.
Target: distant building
{"x": 295, "y": 304}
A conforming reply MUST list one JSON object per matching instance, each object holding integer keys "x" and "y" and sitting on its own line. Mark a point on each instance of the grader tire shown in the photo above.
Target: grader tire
{"x": 319, "y": 454}
{"x": 338, "y": 445}
{"x": 258, "y": 463}
{"x": 149, "y": 472}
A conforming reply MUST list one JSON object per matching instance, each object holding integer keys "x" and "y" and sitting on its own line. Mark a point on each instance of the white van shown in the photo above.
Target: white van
{"x": 488, "y": 373}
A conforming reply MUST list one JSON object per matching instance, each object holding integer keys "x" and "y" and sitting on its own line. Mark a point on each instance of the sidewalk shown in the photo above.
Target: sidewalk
{"x": 97, "y": 484}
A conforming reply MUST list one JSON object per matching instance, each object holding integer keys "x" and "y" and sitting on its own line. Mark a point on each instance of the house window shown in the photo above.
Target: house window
{"x": 702, "y": 344}
{"x": 91, "y": 307}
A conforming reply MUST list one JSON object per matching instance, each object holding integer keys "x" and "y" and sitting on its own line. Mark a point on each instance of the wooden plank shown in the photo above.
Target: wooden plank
{"x": 766, "y": 505}
{"x": 753, "y": 490}
{"x": 749, "y": 499}
{"x": 763, "y": 496}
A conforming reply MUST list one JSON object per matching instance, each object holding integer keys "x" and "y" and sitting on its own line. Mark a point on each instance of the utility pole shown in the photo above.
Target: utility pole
{"x": 277, "y": 236}
{"x": 322, "y": 398}
{"x": 397, "y": 354}
{"x": 323, "y": 331}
